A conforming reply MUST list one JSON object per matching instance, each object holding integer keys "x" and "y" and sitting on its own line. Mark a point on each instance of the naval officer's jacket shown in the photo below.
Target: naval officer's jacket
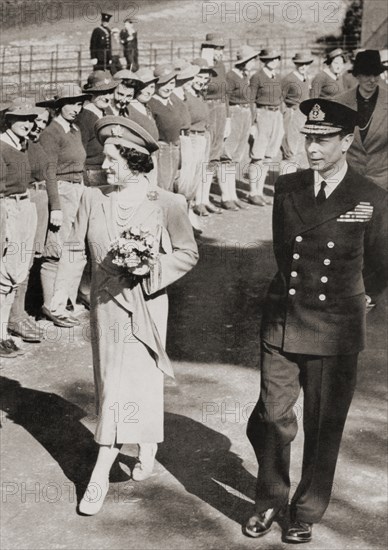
{"x": 316, "y": 302}
{"x": 101, "y": 47}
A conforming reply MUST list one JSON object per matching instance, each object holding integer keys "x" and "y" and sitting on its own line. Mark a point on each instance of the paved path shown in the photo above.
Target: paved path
{"x": 204, "y": 480}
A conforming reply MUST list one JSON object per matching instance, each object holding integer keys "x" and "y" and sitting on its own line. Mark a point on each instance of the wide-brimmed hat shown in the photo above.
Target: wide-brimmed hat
{"x": 100, "y": 82}
{"x": 204, "y": 66}
{"x": 368, "y": 63}
{"x": 187, "y": 71}
{"x": 23, "y": 107}
{"x": 332, "y": 54}
{"x": 145, "y": 77}
{"x": 125, "y": 75}
{"x": 165, "y": 72}
{"x": 124, "y": 131}
{"x": 325, "y": 117}
{"x": 302, "y": 58}
{"x": 214, "y": 40}
{"x": 269, "y": 53}
{"x": 245, "y": 54}
{"x": 67, "y": 92}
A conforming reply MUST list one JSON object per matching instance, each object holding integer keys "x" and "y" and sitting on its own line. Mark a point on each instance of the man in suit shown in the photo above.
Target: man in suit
{"x": 329, "y": 233}
{"x": 101, "y": 44}
{"x": 368, "y": 153}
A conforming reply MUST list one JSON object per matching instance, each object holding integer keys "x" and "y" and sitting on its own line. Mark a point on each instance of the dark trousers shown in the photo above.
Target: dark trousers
{"x": 328, "y": 385}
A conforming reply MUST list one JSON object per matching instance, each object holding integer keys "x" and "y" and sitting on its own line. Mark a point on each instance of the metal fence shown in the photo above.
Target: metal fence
{"x": 36, "y": 65}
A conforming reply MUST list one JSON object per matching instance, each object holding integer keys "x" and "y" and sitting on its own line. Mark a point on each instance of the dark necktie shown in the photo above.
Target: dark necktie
{"x": 23, "y": 144}
{"x": 321, "y": 197}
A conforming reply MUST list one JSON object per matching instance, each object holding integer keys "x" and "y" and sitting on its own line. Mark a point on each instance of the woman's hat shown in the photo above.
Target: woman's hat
{"x": 337, "y": 52}
{"x": 99, "y": 82}
{"x": 268, "y": 53}
{"x": 214, "y": 40}
{"x": 124, "y": 131}
{"x": 302, "y": 58}
{"x": 325, "y": 117}
{"x": 22, "y": 107}
{"x": 368, "y": 63}
{"x": 66, "y": 93}
{"x": 384, "y": 58}
{"x": 245, "y": 54}
{"x": 204, "y": 66}
{"x": 165, "y": 72}
{"x": 187, "y": 71}
{"x": 145, "y": 76}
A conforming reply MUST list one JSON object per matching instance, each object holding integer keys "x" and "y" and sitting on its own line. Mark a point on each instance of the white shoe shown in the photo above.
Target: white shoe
{"x": 93, "y": 498}
{"x": 144, "y": 468}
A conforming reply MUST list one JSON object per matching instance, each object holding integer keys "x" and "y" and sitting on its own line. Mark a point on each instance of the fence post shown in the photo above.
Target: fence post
{"x": 56, "y": 62}
{"x": 79, "y": 60}
{"x": 20, "y": 68}
{"x": 51, "y": 68}
{"x": 230, "y": 53}
{"x": 151, "y": 53}
{"x": 30, "y": 67}
{"x": 171, "y": 50}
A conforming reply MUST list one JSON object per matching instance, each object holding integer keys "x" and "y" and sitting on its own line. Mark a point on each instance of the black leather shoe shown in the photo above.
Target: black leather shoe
{"x": 213, "y": 209}
{"x": 299, "y": 531}
{"x": 11, "y": 345}
{"x": 25, "y": 330}
{"x": 241, "y": 205}
{"x": 256, "y": 200}
{"x": 260, "y": 523}
{"x": 63, "y": 321}
{"x": 200, "y": 210}
{"x": 229, "y": 205}
{"x": 6, "y": 350}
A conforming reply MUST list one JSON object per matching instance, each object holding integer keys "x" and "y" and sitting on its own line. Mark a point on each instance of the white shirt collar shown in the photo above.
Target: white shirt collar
{"x": 328, "y": 72}
{"x": 268, "y": 72}
{"x": 332, "y": 182}
{"x": 64, "y": 123}
{"x": 93, "y": 109}
{"x": 11, "y": 139}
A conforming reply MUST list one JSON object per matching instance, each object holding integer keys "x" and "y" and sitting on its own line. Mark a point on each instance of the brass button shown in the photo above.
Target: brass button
{"x": 330, "y": 244}
{"x": 326, "y": 261}
{"x": 292, "y": 291}
{"x": 296, "y": 256}
{"x": 324, "y": 279}
{"x": 299, "y": 239}
{"x": 322, "y": 297}
{"x": 294, "y": 274}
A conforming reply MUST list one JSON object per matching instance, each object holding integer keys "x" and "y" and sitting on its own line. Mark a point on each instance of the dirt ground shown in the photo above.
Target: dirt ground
{"x": 203, "y": 485}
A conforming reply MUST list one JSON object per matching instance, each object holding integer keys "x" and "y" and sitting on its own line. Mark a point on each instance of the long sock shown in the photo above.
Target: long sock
{"x": 18, "y": 311}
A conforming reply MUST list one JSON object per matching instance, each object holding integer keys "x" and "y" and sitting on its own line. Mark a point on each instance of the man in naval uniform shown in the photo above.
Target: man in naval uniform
{"x": 329, "y": 235}
{"x": 101, "y": 44}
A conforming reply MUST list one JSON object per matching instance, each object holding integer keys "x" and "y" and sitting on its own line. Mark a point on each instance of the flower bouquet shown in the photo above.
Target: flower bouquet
{"x": 135, "y": 250}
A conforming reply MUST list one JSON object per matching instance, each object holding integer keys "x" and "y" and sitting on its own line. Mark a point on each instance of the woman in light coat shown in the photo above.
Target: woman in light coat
{"x": 128, "y": 312}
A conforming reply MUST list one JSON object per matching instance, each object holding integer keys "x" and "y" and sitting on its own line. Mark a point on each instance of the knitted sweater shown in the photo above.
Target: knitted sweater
{"x": 15, "y": 170}
{"x": 324, "y": 86}
{"x": 94, "y": 150}
{"x": 265, "y": 90}
{"x": 199, "y": 112}
{"x": 65, "y": 151}
{"x": 238, "y": 89}
{"x": 170, "y": 119}
{"x": 294, "y": 90}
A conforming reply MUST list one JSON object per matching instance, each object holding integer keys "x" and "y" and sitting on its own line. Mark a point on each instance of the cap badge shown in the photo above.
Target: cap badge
{"x": 316, "y": 113}
{"x": 117, "y": 131}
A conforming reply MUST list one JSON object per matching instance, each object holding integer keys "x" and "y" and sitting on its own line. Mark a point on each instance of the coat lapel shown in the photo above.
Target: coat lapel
{"x": 343, "y": 198}
{"x": 376, "y": 126}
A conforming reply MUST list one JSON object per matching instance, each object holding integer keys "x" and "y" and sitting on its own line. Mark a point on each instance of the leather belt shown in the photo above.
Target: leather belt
{"x": 242, "y": 105}
{"x": 197, "y": 132}
{"x": 268, "y": 107}
{"x": 185, "y": 132}
{"x": 215, "y": 100}
{"x": 16, "y": 196}
{"x": 37, "y": 185}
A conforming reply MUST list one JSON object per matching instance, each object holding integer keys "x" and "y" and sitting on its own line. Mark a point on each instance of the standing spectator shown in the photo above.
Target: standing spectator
{"x": 240, "y": 102}
{"x": 117, "y": 51}
{"x": 128, "y": 37}
{"x": 348, "y": 79}
{"x": 268, "y": 130}
{"x": 62, "y": 142}
{"x": 173, "y": 120}
{"x": 219, "y": 119}
{"x": 122, "y": 94}
{"x": 100, "y": 87}
{"x": 19, "y": 217}
{"x": 368, "y": 153}
{"x": 295, "y": 89}
{"x": 101, "y": 44}
{"x": 40, "y": 186}
{"x": 328, "y": 83}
